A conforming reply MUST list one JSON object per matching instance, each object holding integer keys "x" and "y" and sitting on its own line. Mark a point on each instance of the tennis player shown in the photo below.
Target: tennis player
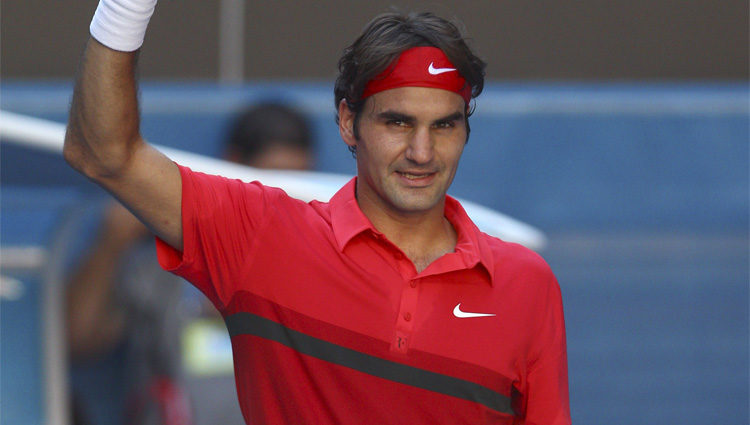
{"x": 385, "y": 305}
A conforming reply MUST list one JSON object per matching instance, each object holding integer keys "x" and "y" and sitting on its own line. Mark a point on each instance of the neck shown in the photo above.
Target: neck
{"x": 422, "y": 236}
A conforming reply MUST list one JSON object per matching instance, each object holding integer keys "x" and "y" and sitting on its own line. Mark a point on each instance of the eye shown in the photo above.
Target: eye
{"x": 445, "y": 124}
{"x": 396, "y": 122}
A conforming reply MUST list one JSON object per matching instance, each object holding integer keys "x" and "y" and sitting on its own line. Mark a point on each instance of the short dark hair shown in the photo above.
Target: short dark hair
{"x": 266, "y": 124}
{"x": 389, "y": 34}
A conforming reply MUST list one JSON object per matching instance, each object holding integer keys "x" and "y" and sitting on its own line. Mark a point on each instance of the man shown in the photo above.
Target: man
{"x": 385, "y": 305}
{"x": 125, "y": 346}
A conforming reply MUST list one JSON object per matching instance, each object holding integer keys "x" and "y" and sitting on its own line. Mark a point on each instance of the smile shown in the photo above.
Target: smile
{"x": 413, "y": 176}
{"x": 416, "y": 179}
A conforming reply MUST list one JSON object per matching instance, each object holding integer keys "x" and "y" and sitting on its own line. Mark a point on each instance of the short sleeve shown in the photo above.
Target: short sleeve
{"x": 219, "y": 218}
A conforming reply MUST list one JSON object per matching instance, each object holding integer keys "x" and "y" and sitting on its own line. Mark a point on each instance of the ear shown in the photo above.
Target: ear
{"x": 346, "y": 124}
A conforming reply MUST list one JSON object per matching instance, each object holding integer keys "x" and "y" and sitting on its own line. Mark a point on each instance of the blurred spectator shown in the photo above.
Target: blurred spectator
{"x": 127, "y": 351}
{"x": 271, "y": 136}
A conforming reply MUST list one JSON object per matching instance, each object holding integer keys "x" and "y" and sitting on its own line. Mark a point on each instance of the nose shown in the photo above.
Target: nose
{"x": 421, "y": 147}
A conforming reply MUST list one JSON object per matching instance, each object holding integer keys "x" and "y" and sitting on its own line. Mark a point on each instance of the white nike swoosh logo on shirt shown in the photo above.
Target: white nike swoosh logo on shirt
{"x": 435, "y": 71}
{"x": 465, "y": 314}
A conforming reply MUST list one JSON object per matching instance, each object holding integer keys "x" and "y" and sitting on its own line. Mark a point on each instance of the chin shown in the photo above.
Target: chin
{"x": 416, "y": 204}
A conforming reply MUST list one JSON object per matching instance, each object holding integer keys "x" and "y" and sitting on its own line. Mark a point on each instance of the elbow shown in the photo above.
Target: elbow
{"x": 79, "y": 157}
{"x": 94, "y": 159}
{"x": 73, "y": 150}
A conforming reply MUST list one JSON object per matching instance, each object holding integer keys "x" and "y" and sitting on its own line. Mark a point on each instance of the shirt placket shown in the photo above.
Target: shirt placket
{"x": 406, "y": 317}
{"x": 407, "y": 311}
{"x": 410, "y": 288}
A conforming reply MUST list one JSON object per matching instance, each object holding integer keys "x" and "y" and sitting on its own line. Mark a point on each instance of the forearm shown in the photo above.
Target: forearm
{"x": 103, "y": 127}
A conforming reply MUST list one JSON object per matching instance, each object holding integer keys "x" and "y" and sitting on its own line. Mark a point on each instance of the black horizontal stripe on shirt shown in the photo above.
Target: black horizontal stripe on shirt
{"x": 251, "y": 324}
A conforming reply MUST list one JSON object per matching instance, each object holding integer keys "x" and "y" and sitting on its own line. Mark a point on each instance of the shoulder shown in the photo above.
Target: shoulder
{"x": 220, "y": 187}
{"x": 517, "y": 264}
{"x": 514, "y": 254}
{"x": 525, "y": 280}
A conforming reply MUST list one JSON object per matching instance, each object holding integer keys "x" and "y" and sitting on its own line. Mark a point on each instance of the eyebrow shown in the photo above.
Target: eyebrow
{"x": 456, "y": 116}
{"x": 393, "y": 115}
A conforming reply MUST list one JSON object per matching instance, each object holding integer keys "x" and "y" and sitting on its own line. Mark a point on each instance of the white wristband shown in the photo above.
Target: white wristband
{"x": 121, "y": 24}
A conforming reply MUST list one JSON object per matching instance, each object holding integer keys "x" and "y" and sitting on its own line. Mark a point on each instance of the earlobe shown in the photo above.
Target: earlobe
{"x": 346, "y": 123}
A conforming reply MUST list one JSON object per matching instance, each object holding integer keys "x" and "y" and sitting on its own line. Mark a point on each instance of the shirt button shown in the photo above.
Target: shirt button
{"x": 407, "y": 316}
{"x": 413, "y": 284}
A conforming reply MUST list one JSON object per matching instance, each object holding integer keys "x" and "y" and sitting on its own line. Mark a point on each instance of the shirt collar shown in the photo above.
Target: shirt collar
{"x": 346, "y": 217}
{"x": 472, "y": 244}
{"x": 348, "y": 221}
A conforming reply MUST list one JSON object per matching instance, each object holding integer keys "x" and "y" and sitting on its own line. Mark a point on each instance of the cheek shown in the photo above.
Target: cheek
{"x": 370, "y": 156}
{"x": 453, "y": 151}
{"x": 382, "y": 150}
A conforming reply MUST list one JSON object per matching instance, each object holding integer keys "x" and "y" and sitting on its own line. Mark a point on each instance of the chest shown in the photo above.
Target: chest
{"x": 371, "y": 298}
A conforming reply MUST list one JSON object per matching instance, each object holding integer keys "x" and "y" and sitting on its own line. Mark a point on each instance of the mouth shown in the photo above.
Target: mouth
{"x": 416, "y": 178}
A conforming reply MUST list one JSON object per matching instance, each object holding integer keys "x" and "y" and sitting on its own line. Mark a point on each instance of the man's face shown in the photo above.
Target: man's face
{"x": 410, "y": 142}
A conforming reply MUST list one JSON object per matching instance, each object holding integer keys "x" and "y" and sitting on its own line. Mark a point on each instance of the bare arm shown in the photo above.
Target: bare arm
{"x": 103, "y": 142}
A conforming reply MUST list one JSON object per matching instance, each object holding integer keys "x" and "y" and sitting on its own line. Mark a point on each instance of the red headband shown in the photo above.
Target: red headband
{"x": 420, "y": 67}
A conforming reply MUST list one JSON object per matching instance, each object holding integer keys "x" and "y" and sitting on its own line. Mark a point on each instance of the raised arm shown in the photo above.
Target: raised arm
{"x": 103, "y": 139}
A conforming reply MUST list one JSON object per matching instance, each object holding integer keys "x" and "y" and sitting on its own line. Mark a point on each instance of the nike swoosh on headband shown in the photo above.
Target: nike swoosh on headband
{"x": 408, "y": 70}
{"x": 436, "y": 71}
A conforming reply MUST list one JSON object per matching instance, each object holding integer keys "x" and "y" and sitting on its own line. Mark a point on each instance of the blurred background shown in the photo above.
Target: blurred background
{"x": 618, "y": 128}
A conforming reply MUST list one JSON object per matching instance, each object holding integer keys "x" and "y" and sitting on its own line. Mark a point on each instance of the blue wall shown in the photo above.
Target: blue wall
{"x": 642, "y": 190}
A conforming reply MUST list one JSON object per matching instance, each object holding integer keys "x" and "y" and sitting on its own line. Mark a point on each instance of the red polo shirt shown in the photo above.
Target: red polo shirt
{"x": 332, "y": 324}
